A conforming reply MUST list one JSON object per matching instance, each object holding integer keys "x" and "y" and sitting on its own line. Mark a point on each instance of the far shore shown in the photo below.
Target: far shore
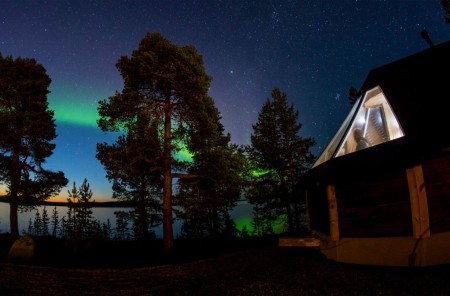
{"x": 94, "y": 204}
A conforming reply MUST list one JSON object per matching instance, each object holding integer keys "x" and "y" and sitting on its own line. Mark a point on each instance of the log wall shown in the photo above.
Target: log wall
{"x": 380, "y": 204}
{"x": 437, "y": 181}
{"x": 374, "y": 206}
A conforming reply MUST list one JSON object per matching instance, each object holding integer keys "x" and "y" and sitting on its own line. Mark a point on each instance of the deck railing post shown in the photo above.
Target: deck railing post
{"x": 419, "y": 202}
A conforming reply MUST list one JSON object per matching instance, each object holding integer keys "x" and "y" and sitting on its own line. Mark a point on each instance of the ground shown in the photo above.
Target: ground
{"x": 264, "y": 269}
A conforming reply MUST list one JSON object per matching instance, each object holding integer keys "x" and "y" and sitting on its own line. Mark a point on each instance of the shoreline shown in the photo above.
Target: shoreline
{"x": 94, "y": 204}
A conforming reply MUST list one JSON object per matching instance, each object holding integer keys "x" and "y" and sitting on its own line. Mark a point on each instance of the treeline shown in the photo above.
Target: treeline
{"x": 163, "y": 109}
{"x": 74, "y": 226}
{"x": 70, "y": 227}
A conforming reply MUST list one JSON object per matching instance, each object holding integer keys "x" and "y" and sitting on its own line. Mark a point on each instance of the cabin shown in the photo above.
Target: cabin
{"x": 389, "y": 203}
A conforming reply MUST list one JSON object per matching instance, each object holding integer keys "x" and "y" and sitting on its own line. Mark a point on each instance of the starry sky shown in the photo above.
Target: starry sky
{"x": 313, "y": 50}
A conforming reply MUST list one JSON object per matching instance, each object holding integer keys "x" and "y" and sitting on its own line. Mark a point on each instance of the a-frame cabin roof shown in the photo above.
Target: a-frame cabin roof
{"x": 417, "y": 88}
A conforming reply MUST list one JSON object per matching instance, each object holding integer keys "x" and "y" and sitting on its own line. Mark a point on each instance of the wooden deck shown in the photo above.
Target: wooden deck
{"x": 311, "y": 242}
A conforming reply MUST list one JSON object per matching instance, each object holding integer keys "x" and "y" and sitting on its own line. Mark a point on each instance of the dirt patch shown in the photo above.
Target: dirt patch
{"x": 256, "y": 270}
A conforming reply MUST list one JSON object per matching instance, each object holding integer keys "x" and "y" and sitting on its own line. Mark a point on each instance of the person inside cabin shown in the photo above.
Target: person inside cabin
{"x": 361, "y": 142}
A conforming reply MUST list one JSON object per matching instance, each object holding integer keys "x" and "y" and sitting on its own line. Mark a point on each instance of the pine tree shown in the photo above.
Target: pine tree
{"x": 55, "y": 222}
{"x": 71, "y": 225}
{"x": 244, "y": 232}
{"x": 85, "y": 214}
{"x": 45, "y": 222}
{"x": 30, "y": 227}
{"x": 63, "y": 230}
{"x": 282, "y": 155}
{"x": 165, "y": 87}
{"x": 107, "y": 229}
{"x": 95, "y": 229}
{"x": 122, "y": 219}
{"x": 445, "y": 4}
{"x": 353, "y": 95}
{"x": 28, "y": 128}
{"x": 80, "y": 210}
{"x": 37, "y": 224}
{"x": 217, "y": 167}
{"x": 263, "y": 220}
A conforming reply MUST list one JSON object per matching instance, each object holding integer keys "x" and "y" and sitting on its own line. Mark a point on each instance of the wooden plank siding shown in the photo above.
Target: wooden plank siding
{"x": 308, "y": 214}
{"x": 382, "y": 205}
{"x": 318, "y": 209}
{"x": 374, "y": 206}
{"x": 436, "y": 173}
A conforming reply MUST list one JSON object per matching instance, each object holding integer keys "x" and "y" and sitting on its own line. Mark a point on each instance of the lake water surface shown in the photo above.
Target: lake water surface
{"x": 241, "y": 215}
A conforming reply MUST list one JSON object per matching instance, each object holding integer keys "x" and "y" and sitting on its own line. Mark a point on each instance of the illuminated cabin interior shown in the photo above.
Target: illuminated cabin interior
{"x": 374, "y": 116}
{"x": 387, "y": 204}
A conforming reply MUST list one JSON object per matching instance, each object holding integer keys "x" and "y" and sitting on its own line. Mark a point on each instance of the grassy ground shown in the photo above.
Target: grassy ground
{"x": 252, "y": 269}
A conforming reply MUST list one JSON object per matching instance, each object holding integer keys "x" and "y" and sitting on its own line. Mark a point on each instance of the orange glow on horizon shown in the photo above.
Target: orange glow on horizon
{"x": 63, "y": 197}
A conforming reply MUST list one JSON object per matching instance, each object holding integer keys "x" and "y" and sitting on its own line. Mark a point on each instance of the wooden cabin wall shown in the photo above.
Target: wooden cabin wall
{"x": 378, "y": 204}
{"x": 437, "y": 182}
{"x": 318, "y": 214}
{"x": 374, "y": 205}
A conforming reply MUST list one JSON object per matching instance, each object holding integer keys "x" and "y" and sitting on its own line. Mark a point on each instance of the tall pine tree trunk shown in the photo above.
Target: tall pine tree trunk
{"x": 15, "y": 182}
{"x": 143, "y": 219}
{"x": 296, "y": 206}
{"x": 13, "y": 217}
{"x": 167, "y": 184}
{"x": 215, "y": 228}
{"x": 287, "y": 203}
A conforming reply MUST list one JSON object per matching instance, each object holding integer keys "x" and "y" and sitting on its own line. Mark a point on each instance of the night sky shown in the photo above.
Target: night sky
{"x": 313, "y": 50}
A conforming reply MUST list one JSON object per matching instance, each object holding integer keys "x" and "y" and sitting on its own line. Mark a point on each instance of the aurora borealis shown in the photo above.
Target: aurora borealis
{"x": 312, "y": 50}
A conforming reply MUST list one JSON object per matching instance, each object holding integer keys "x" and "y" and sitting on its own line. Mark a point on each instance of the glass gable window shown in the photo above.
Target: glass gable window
{"x": 370, "y": 122}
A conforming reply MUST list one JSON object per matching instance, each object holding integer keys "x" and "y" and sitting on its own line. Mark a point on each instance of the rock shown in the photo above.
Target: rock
{"x": 22, "y": 249}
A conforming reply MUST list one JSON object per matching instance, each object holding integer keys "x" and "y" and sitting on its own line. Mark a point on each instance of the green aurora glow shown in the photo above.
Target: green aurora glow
{"x": 184, "y": 155}
{"x": 259, "y": 172}
{"x": 80, "y": 115}
{"x": 75, "y": 106}
{"x": 277, "y": 226}
{"x": 245, "y": 221}
{"x": 85, "y": 114}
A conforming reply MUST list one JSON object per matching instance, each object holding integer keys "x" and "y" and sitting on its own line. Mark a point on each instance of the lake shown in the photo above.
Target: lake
{"x": 242, "y": 215}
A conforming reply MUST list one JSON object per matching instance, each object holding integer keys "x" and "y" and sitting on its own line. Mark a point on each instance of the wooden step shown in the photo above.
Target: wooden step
{"x": 299, "y": 242}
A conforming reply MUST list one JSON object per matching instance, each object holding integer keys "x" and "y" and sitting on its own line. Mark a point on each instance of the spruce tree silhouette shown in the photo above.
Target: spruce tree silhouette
{"x": 427, "y": 38}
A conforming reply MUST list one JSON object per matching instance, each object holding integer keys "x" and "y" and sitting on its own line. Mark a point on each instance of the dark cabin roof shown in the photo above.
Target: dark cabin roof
{"x": 417, "y": 88}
